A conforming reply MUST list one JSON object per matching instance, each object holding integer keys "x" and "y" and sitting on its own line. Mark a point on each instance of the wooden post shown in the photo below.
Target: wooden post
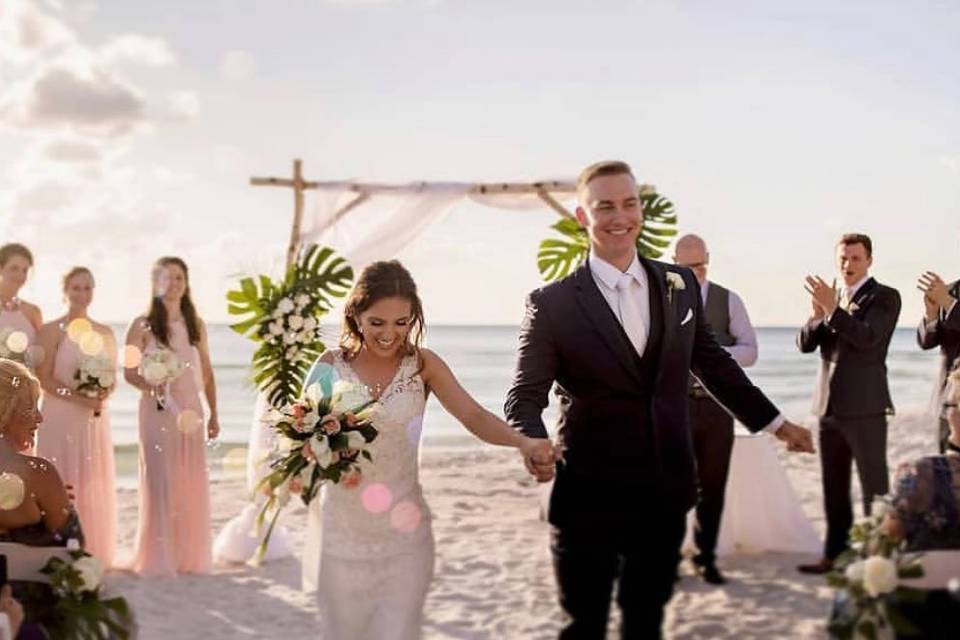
{"x": 299, "y": 185}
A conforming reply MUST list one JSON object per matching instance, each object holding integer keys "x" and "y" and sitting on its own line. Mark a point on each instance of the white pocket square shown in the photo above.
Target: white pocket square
{"x": 687, "y": 318}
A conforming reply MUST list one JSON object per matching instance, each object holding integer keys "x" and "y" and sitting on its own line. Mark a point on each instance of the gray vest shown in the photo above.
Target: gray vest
{"x": 717, "y": 313}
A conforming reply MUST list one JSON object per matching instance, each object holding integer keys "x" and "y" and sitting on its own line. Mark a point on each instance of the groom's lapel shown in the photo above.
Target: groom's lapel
{"x": 656, "y": 276}
{"x": 596, "y": 308}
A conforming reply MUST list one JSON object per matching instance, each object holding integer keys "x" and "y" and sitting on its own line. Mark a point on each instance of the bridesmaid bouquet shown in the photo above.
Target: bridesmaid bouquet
{"x": 319, "y": 439}
{"x": 159, "y": 367}
{"x": 95, "y": 375}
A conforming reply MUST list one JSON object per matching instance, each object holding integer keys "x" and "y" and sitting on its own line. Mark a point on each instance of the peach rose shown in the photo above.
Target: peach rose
{"x": 351, "y": 478}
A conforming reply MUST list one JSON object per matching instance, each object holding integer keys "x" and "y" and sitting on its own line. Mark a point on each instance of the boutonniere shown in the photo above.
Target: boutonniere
{"x": 853, "y": 307}
{"x": 674, "y": 283}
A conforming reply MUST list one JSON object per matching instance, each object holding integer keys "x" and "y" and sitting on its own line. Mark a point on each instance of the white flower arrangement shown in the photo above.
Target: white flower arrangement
{"x": 674, "y": 283}
{"x": 159, "y": 367}
{"x": 867, "y": 577}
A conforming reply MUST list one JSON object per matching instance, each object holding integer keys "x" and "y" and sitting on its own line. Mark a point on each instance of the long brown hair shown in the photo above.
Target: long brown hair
{"x": 157, "y": 315}
{"x": 11, "y": 249}
{"x": 380, "y": 280}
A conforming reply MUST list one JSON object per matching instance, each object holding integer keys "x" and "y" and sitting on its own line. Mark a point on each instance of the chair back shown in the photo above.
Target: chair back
{"x": 24, "y": 562}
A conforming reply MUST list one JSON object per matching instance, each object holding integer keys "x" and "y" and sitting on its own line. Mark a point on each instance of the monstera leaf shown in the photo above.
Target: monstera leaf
{"x": 556, "y": 258}
{"x": 265, "y": 307}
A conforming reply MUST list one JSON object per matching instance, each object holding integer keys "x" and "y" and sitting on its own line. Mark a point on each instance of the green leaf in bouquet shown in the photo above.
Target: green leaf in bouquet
{"x": 366, "y": 454}
{"x": 910, "y": 571}
{"x": 868, "y": 628}
{"x": 900, "y": 623}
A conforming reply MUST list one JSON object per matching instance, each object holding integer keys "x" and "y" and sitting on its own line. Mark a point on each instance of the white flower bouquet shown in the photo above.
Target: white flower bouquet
{"x": 159, "y": 367}
{"x": 95, "y": 375}
{"x": 319, "y": 439}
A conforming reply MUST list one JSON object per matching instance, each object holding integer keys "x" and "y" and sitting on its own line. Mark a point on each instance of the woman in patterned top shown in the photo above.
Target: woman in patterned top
{"x": 926, "y": 514}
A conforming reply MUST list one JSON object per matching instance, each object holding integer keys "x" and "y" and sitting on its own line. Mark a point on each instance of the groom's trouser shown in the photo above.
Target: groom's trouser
{"x": 640, "y": 557}
{"x": 712, "y": 429}
{"x": 842, "y": 441}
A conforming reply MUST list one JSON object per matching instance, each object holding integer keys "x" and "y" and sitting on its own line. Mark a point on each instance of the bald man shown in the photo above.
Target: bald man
{"x": 710, "y": 424}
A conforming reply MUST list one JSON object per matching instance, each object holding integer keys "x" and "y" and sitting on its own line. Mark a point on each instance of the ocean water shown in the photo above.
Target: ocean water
{"x": 482, "y": 357}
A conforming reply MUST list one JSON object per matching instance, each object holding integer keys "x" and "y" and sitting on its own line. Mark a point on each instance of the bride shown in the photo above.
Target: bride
{"x": 377, "y": 549}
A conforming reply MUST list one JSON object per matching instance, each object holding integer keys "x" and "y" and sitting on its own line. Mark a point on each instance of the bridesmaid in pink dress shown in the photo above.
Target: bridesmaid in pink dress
{"x": 15, "y": 314}
{"x": 173, "y": 534}
{"x": 73, "y": 436}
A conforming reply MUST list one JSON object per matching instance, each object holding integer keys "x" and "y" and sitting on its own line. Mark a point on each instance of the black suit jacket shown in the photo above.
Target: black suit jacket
{"x": 852, "y": 380}
{"x": 944, "y": 333}
{"x": 613, "y": 416}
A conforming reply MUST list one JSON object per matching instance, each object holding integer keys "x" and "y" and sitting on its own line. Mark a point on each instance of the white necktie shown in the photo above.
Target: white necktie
{"x": 628, "y": 290}
{"x": 845, "y": 299}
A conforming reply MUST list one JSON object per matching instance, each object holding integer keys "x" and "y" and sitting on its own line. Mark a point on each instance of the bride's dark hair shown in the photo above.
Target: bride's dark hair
{"x": 380, "y": 280}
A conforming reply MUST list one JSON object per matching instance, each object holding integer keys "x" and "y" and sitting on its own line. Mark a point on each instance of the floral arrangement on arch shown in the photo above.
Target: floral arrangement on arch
{"x": 283, "y": 317}
{"x": 867, "y": 579}
{"x": 556, "y": 258}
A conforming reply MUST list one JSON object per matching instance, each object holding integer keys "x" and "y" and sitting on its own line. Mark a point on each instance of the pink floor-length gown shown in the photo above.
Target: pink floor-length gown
{"x": 173, "y": 533}
{"x": 79, "y": 445}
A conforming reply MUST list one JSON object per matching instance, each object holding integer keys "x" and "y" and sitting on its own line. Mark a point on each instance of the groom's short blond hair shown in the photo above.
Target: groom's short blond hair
{"x": 604, "y": 168}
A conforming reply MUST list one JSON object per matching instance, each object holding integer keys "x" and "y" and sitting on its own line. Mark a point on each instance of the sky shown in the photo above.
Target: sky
{"x": 129, "y": 130}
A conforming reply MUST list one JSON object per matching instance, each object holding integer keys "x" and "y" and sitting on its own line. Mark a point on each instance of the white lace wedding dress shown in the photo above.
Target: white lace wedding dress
{"x": 375, "y": 544}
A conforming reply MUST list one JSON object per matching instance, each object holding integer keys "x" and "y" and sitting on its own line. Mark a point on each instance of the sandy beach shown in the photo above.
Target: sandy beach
{"x": 493, "y": 577}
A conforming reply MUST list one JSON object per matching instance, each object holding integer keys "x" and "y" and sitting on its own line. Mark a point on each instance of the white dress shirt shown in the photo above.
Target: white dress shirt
{"x": 606, "y": 276}
{"x": 745, "y": 349}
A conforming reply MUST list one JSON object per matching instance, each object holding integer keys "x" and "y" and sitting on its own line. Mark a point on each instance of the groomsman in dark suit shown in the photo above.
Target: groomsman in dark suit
{"x": 710, "y": 424}
{"x": 852, "y": 328}
{"x": 940, "y": 327}
{"x": 619, "y": 337}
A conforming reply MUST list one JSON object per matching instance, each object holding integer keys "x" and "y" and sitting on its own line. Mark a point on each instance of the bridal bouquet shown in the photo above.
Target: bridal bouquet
{"x": 159, "y": 367}
{"x": 319, "y": 439}
{"x": 866, "y": 578}
{"x": 77, "y": 608}
{"x": 95, "y": 375}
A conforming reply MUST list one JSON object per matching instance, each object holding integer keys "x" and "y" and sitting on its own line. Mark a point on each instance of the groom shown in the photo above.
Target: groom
{"x": 619, "y": 337}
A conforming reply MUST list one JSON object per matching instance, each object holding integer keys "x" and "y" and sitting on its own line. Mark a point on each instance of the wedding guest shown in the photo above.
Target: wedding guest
{"x": 852, "y": 329}
{"x": 940, "y": 327}
{"x": 926, "y": 514}
{"x": 76, "y": 430}
{"x": 173, "y": 532}
{"x": 710, "y": 424}
{"x": 619, "y": 337}
{"x": 43, "y": 516}
{"x": 16, "y": 315}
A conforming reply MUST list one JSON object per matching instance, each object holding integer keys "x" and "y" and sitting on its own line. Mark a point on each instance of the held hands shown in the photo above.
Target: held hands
{"x": 540, "y": 457}
{"x": 797, "y": 438}
{"x": 935, "y": 292}
{"x": 823, "y": 296}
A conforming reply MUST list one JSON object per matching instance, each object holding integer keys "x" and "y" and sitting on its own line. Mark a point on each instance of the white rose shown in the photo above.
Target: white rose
{"x": 303, "y": 300}
{"x": 155, "y": 373}
{"x": 355, "y": 440}
{"x": 295, "y": 322}
{"x": 285, "y": 305}
{"x": 90, "y": 570}
{"x": 647, "y": 190}
{"x": 854, "y": 571}
{"x": 275, "y": 328}
{"x": 292, "y": 353}
{"x": 305, "y": 336}
{"x": 879, "y": 508}
{"x": 321, "y": 450}
{"x": 310, "y": 323}
{"x": 289, "y": 338}
{"x": 879, "y": 575}
{"x": 675, "y": 281}
{"x": 107, "y": 378}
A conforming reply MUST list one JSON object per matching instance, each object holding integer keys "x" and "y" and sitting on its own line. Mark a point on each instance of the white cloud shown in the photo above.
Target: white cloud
{"x": 27, "y": 32}
{"x": 152, "y": 52}
{"x": 237, "y": 65}
{"x": 90, "y": 101}
{"x": 71, "y": 151}
{"x": 46, "y": 196}
{"x": 182, "y": 106}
